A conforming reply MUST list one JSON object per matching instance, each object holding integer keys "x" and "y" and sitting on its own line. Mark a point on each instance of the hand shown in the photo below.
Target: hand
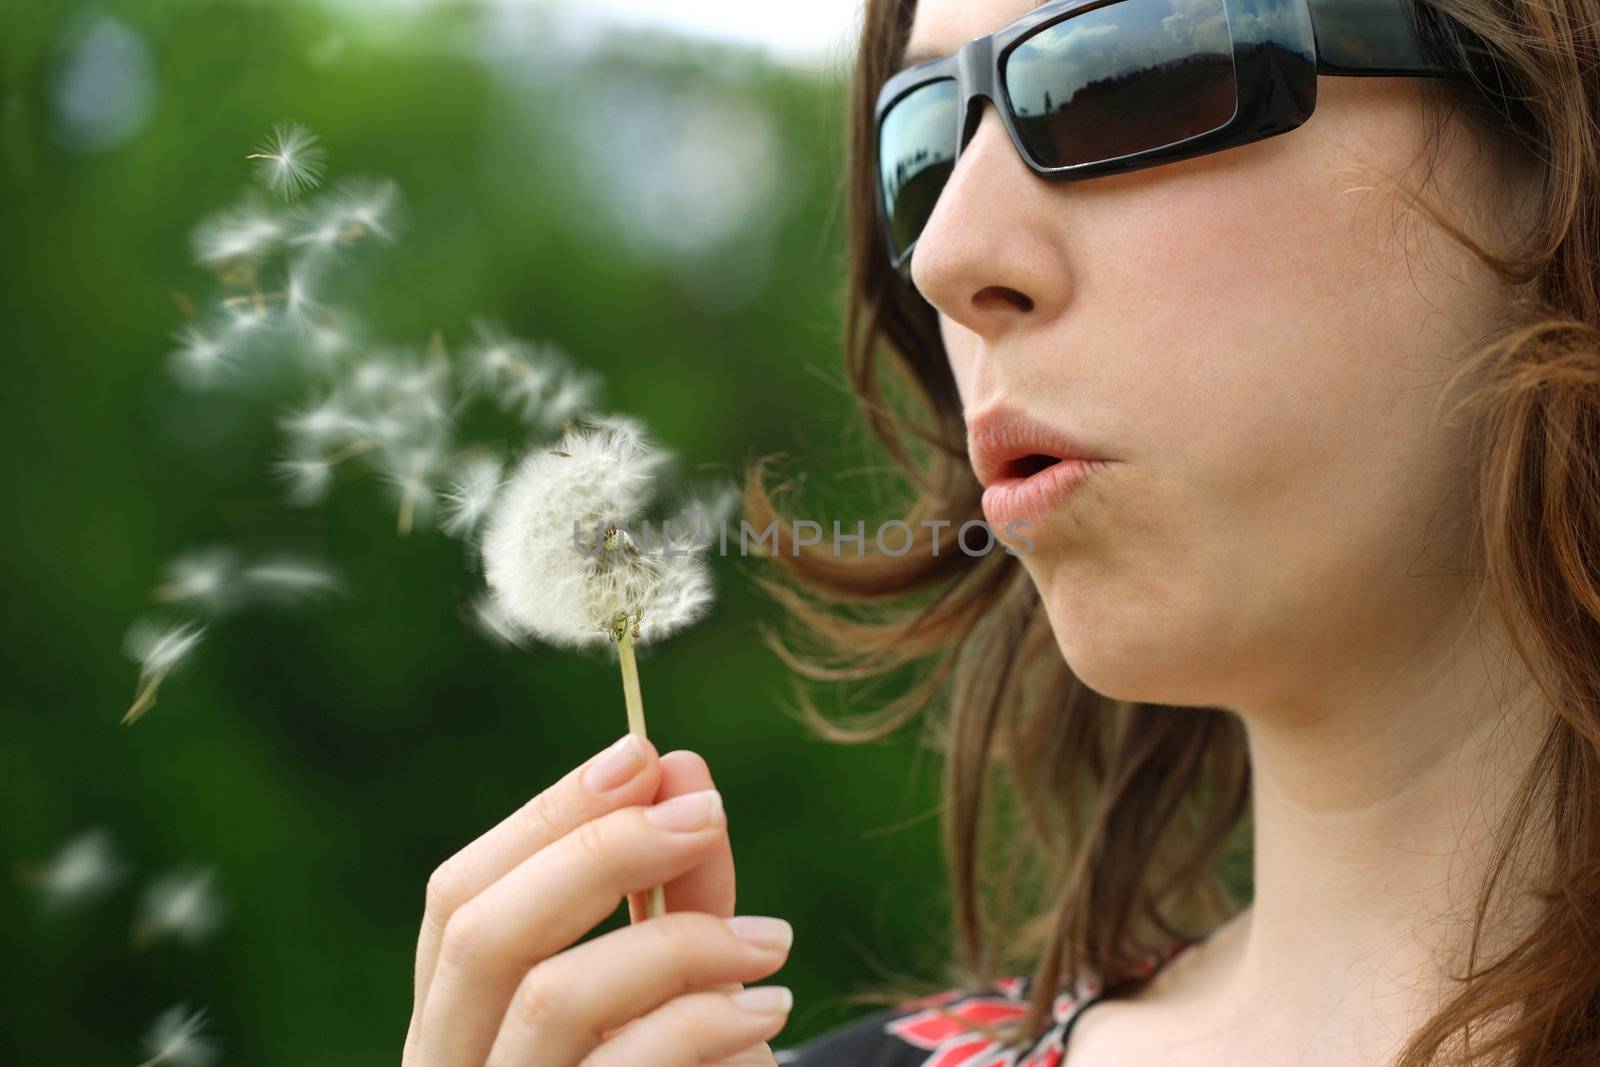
{"x": 500, "y": 981}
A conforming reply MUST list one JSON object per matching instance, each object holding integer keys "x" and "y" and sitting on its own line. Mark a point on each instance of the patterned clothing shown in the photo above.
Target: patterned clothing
{"x": 912, "y": 1034}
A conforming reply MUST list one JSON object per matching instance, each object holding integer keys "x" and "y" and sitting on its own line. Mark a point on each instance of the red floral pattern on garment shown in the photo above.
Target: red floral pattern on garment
{"x": 951, "y": 1042}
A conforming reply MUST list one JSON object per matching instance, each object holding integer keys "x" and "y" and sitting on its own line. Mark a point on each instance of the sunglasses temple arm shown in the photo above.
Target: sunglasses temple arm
{"x": 1373, "y": 37}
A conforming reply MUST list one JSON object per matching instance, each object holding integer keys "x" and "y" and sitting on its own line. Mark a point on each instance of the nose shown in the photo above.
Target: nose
{"x": 988, "y": 256}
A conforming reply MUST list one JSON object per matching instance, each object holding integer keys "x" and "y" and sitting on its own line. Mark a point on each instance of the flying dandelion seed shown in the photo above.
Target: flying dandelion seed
{"x": 200, "y": 359}
{"x": 410, "y": 473}
{"x": 290, "y": 161}
{"x": 182, "y": 906}
{"x": 205, "y": 578}
{"x": 287, "y": 578}
{"x": 244, "y": 233}
{"x": 159, "y": 650}
{"x": 562, "y": 568}
{"x": 84, "y": 869}
{"x": 307, "y": 479}
{"x": 369, "y": 206}
{"x": 473, "y": 486}
{"x": 178, "y": 1039}
{"x": 493, "y": 622}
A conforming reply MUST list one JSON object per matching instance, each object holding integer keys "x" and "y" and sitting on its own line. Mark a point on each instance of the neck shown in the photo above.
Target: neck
{"x": 1377, "y": 824}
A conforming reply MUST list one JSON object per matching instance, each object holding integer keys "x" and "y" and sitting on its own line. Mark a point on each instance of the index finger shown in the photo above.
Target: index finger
{"x": 546, "y": 818}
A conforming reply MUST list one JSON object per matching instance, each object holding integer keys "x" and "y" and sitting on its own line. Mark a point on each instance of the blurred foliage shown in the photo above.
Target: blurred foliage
{"x": 326, "y": 759}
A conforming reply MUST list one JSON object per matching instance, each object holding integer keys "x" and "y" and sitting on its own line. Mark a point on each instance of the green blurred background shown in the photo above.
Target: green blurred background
{"x": 665, "y": 209}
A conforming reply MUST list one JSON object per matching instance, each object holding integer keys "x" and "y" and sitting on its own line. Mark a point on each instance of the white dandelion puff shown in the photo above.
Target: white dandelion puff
{"x": 555, "y": 555}
{"x": 562, "y": 567}
{"x": 473, "y": 487}
{"x": 84, "y": 869}
{"x": 178, "y": 1039}
{"x": 200, "y": 359}
{"x": 159, "y": 650}
{"x": 204, "y": 577}
{"x": 182, "y": 906}
{"x": 246, "y": 232}
{"x": 290, "y": 578}
{"x": 290, "y": 161}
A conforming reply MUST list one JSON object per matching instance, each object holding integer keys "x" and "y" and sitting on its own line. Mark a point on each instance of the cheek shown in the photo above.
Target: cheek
{"x": 1272, "y": 361}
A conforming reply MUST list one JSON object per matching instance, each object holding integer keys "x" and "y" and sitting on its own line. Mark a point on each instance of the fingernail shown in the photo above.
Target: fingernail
{"x": 763, "y": 931}
{"x": 766, "y": 999}
{"x": 615, "y": 765}
{"x": 692, "y": 811}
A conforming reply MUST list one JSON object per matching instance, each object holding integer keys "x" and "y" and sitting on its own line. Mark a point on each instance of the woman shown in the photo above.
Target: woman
{"x": 1324, "y": 584}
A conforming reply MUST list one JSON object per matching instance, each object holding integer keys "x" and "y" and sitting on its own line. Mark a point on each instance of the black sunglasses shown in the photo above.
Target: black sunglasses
{"x": 1092, "y": 87}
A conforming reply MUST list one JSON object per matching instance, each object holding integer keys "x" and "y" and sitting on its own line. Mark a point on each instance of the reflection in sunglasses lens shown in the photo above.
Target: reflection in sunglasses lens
{"x": 1123, "y": 78}
{"x": 916, "y": 153}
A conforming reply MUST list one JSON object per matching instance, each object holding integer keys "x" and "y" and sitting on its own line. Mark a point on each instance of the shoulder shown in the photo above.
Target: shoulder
{"x": 939, "y": 1027}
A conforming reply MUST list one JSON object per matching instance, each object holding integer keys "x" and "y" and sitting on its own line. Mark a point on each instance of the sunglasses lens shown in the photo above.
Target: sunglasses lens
{"x": 916, "y": 153}
{"x": 1128, "y": 77}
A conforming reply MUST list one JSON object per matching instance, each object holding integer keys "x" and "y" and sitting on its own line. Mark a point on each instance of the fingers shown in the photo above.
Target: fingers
{"x": 543, "y": 905}
{"x": 566, "y": 1004}
{"x": 708, "y": 886}
{"x": 696, "y": 1029}
{"x": 546, "y": 818}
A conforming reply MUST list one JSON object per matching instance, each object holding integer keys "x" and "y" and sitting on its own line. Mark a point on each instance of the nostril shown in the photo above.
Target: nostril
{"x": 993, "y": 293}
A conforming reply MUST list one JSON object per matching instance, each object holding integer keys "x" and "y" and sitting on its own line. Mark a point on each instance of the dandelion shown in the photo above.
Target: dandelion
{"x": 290, "y": 161}
{"x": 204, "y": 577}
{"x": 472, "y": 490}
{"x": 159, "y": 651}
{"x": 178, "y": 1039}
{"x": 562, "y": 568}
{"x": 84, "y": 868}
{"x": 289, "y": 578}
{"x": 181, "y": 905}
{"x": 200, "y": 359}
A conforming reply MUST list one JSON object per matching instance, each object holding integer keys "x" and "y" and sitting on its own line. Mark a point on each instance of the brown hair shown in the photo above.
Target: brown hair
{"x": 1119, "y": 814}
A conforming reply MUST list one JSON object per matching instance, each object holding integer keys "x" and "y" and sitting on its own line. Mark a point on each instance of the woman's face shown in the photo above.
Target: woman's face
{"x": 1258, "y": 340}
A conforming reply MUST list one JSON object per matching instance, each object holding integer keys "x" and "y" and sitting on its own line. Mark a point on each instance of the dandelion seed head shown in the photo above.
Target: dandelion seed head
{"x": 290, "y": 160}
{"x": 540, "y": 555}
{"x": 178, "y": 1038}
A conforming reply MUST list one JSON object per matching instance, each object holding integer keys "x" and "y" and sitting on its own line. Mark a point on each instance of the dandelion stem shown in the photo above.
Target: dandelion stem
{"x": 656, "y": 901}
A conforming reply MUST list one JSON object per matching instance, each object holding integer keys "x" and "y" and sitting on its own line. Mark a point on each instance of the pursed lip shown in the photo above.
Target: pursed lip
{"x": 1003, "y": 442}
